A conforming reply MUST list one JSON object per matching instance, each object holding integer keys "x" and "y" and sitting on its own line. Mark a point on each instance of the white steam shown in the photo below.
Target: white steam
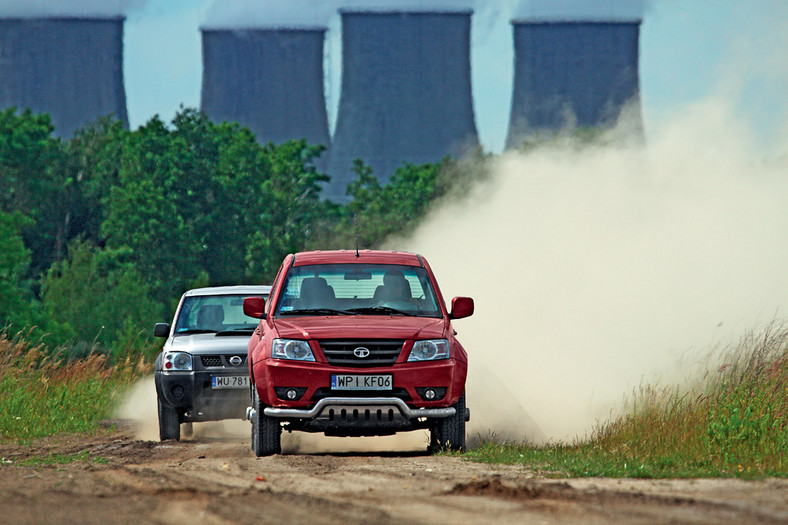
{"x": 596, "y": 269}
{"x": 407, "y": 5}
{"x": 580, "y": 9}
{"x": 41, "y": 8}
{"x": 268, "y": 13}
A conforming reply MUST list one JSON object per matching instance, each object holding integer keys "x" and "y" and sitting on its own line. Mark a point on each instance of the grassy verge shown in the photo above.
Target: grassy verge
{"x": 734, "y": 425}
{"x": 42, "y": 396}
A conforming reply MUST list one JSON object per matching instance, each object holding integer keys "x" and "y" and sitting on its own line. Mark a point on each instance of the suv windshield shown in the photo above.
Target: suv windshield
{"x": 358, "y": 289}
{"x": 214, "y": 313}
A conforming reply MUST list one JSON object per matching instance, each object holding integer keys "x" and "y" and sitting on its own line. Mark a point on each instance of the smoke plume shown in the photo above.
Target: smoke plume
{"x": 42, "y": 8}
{"x": 268, "y": 13}
{"x": 580, "y": 9}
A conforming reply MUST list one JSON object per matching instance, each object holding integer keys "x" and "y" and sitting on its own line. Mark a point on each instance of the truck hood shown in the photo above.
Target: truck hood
{"x": 209, "y": 343}
{"x": 360, "y": 327}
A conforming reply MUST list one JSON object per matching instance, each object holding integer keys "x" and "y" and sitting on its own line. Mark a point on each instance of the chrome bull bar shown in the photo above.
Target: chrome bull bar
{"x": 355, "y": 403}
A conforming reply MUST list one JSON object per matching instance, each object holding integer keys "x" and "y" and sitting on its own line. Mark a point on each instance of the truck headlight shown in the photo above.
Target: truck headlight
{"x": 430, "y": 350}
{"x": 292, "y": 349}
{"x": 177, "y": 361}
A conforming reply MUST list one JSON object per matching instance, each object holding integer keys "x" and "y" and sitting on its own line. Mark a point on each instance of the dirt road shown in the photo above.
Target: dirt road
{"x": 216, "y": 480}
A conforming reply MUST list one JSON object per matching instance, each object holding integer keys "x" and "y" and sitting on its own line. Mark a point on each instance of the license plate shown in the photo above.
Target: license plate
{"x": 230, "y": 382}
{"x": 358, "y": 382}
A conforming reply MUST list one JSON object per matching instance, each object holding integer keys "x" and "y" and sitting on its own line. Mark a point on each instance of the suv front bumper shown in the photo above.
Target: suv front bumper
{"x": 193, "y": 396}
{"x": 352, "y": 416}
{"x": 325, "y": 407}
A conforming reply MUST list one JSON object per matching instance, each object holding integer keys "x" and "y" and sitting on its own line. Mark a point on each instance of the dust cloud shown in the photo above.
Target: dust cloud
{"x": 597, "y": 269}
{"x": 138, "y": 407}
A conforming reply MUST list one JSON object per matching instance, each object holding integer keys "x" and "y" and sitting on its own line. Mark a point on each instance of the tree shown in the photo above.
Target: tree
{"x": 96, "y": 296}
{"x": 32, "y": 181}
{"x": 15, "y": 305}
{"x": 288, "y": 207}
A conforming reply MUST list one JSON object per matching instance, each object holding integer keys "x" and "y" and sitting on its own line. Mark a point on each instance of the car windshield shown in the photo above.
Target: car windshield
{"x": 214, "y": 313}
{"x": 358, "y": 289}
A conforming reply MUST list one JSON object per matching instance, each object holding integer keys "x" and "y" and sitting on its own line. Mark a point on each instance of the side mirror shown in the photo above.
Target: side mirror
{"x": 254, "y": 307}
{"x": 461, "y": 307}
{"x": 161, "y": 329}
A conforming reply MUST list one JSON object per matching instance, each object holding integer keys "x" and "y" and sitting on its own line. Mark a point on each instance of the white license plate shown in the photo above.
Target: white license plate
{"x": 358, "y": 382}
{"x": 230, "y": 382}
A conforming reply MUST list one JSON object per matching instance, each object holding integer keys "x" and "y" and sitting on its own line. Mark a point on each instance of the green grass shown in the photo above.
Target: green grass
{"x": 42, "y": 396}
{"x": 734, "y": 425}
{"x": 62, "y": 459}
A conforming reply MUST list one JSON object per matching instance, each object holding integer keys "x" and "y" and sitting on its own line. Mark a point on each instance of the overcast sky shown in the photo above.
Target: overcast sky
{"x": 690, "y": 49}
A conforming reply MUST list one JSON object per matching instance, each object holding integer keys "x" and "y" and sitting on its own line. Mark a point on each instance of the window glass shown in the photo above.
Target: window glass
{"x": 350, "y": 287}
{"x": 213, "y": 313}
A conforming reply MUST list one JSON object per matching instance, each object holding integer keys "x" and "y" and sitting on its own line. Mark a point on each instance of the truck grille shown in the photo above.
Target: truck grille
{"x": 381, "y": 352}
{"x": 221, "y": 361}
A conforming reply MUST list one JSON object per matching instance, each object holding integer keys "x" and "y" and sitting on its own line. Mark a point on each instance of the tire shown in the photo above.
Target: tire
{"x": 448, "y": 434}
{"x": 266, "y": 431}
{"x": 169, "y": 426}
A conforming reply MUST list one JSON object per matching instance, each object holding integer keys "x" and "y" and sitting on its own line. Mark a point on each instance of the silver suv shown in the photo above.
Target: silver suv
{"x": 201, "y": 373}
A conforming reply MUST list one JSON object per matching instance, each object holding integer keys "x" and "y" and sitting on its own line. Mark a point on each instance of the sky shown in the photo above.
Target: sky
{"x": 689, "y": 49}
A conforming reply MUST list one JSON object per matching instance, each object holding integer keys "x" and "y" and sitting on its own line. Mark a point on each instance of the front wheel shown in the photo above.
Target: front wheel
{"x": 266, "y": 431}
{"x": 449, "y": 433}
{"x": 169, "y": 426}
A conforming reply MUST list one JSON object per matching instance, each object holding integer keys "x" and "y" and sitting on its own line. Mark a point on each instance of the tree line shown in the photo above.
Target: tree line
{"x": 102, "y": 232}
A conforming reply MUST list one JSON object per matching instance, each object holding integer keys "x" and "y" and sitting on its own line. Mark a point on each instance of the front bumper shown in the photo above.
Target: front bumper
{"x": 315, "y": 380}
{"x": 193, "y": 396}
{"x": 357, "y": 413}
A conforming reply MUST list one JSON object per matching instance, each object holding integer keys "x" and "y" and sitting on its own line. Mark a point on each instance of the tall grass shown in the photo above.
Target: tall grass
{"x": 42, "y": 394}
{"x": 734, "y": 423}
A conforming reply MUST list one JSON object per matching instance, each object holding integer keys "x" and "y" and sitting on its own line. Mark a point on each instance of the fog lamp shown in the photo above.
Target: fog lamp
{"x": 429, "y": 394}
{"x": 177, "y": 391}
{"x": 290, "y": 393}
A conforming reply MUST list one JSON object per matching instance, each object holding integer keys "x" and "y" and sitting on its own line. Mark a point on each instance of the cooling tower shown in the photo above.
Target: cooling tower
{"x": 268, "y": 79}
{"x": 71, "y": 68}
{"x": 572, "y": 73}
{"x": 406, "y": 92}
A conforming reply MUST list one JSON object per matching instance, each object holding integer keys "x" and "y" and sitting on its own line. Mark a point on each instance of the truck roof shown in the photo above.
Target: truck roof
{"x": 242, "y": 289}
{"x": 360, "y": 257}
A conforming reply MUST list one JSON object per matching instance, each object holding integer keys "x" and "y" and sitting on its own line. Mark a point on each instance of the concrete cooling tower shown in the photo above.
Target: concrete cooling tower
{"x": 406, "y": 92}
{"x": 71, "y": 68}
{"x": 579, "y": 73}
{"x": 268, "y": 79}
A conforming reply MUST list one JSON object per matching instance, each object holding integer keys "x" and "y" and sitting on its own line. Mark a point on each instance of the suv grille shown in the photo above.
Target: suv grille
{"x": 381, "y": 352}
{"x": 221, "y": 361}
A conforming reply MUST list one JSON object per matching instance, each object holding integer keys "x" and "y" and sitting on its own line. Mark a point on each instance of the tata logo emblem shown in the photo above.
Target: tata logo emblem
{"x": 361, "y": 352}
{"x": 236, "y": 360}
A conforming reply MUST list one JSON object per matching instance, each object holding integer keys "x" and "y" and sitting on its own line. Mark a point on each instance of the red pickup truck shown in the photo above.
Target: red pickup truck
{"x": 356, "y": 343}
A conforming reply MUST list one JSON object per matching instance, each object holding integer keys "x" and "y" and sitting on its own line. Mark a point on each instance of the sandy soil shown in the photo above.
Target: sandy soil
{"x": 215, "y": 479}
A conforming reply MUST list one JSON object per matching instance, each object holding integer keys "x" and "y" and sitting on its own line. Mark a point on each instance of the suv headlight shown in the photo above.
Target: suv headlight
{"x": 177, "y": 361}
{"x": 292, "y": 349}
{"x": 430, "y": 350}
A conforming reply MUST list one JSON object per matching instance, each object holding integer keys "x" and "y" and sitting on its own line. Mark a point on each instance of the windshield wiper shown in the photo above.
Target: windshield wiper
{"x": 378, "y": 310}
{"x": 236, "y": 331}
{"x": 314, "y": 311}
{"x": 195, "y": 331}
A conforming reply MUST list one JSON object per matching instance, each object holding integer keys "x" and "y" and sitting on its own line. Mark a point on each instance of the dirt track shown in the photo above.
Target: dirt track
{"x": 218, "y": 480}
